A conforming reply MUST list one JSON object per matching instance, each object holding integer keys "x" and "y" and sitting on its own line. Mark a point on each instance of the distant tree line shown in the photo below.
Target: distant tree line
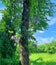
{"x": 43, "y": 48}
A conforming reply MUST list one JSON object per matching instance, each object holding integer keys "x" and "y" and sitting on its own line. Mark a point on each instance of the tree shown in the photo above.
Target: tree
{"x": 9, "y": 17}
{"x": 34, "y": 17}
{"x": 40, "y": 10}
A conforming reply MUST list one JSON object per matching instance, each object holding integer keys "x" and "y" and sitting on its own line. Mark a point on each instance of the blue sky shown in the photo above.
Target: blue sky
{"x": 46, "y": 35}
{"x": 49, "y": 34}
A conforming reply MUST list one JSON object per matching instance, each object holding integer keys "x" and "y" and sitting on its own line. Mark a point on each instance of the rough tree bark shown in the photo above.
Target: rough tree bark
{"x": 24, "y": 53}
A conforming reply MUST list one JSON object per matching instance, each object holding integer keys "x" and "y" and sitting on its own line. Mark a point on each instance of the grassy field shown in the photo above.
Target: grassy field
{"x": 43, "y": 59}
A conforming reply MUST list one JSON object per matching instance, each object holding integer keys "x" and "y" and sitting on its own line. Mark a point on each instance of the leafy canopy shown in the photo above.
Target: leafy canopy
{"x": 39, "y": 10}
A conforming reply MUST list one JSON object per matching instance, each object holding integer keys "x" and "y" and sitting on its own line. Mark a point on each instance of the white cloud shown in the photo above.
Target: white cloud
{"x": 40, "y": 31}
{"x": 42, "y": 40}
{"x": 0, "y": 16}
{"x": 52, "y": 21}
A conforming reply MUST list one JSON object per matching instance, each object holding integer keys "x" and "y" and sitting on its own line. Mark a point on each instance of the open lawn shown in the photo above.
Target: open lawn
{"x": 43, "y": 59}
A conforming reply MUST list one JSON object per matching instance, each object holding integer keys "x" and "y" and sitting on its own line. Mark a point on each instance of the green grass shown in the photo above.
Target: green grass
{"x": 43, "y": 59}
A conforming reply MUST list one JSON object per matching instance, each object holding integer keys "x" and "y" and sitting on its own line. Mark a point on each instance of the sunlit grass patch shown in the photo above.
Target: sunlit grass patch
{"x": 43, "y": 59}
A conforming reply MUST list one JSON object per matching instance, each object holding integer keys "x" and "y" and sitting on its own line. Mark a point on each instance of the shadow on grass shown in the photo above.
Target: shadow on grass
{"x": 40, "y": 61}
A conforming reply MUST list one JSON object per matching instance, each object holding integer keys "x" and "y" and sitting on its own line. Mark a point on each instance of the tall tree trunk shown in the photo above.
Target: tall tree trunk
{"x": 24, "y": 53}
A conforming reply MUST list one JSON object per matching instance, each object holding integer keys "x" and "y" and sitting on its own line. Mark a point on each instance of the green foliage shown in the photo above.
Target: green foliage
{"x": 7, "y": 45}
{"x": 39, "y": 10}
{"x": 8, "y": 61}
{"x": 44, "y": 48}
{"x": 48, "y": 47}
{"x": 2, "y": 26}
{"x": 32, "y": 48}
{"x": 52, "y": 47}
{"x": 11, "y": 60}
